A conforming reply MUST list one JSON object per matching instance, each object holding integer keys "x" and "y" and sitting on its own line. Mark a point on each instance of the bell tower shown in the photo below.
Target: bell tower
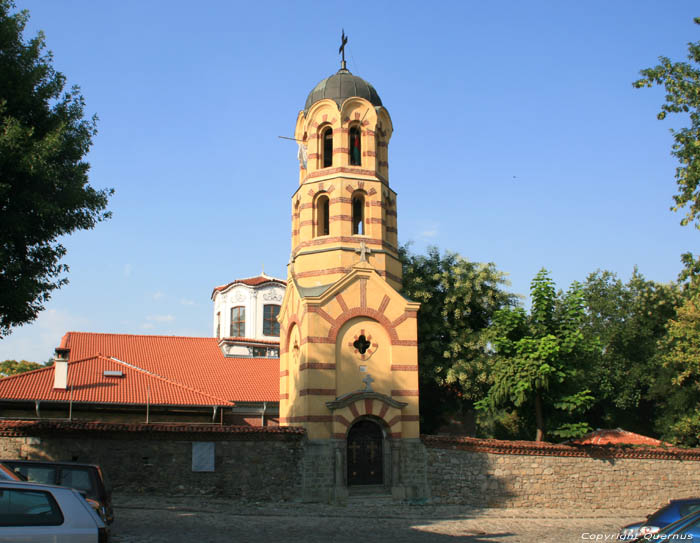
{"x": 343, "y": 201}
{"x": 348, "y": 338}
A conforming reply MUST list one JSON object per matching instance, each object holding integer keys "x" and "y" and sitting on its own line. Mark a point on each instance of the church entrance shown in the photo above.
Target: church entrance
{"x": 365, "y": 454}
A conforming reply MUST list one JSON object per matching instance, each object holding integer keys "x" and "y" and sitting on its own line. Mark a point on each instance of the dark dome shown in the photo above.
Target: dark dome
{"x": 341, "y": 86}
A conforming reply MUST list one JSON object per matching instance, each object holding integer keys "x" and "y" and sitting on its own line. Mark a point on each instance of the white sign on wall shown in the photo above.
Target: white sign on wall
{"x": 203, "y": 456}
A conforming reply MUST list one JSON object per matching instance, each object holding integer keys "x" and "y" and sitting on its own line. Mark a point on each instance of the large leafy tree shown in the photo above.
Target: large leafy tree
{"x": 458, "y": 300}
{"x": 680, "y": 355}
{"x": 681, "y": 81}
{"x": 44, "y": 190}
{"x": 628, "y": 319}
{"x": 540, "y": 361}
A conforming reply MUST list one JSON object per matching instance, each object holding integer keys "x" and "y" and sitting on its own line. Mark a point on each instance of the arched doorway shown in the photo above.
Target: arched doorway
{"x": 365, "y": 454}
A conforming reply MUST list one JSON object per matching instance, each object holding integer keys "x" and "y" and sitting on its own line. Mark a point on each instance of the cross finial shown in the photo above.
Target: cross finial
{"x": 343, "y": 42}
{"x": 363, "y": 251}
{"x": 368, "y": 380}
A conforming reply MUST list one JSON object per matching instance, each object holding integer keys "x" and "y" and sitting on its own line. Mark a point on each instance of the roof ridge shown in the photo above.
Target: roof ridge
{"x": 137, "y": 335}
{"x": 170, "y": 381}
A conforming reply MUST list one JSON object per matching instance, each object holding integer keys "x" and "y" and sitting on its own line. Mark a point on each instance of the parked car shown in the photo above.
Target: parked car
{"x": 685, "y": 529}
{"x": 89, "y": 479}
{"x": 36, "y": 513}
{"x": 6, "y": 474}
{"x": 675, "y": 510}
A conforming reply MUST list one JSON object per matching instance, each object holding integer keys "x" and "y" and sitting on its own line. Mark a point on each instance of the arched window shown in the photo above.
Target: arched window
{"x": 322, "y": 216}
{"x": 358, "y": 213}
{"x": 355, "y": 146}
{"x": 271, "y": 327}
{"x": 218, "y": 324}
{"x": 238, "y": 321}
{"x": 327, "y": 140}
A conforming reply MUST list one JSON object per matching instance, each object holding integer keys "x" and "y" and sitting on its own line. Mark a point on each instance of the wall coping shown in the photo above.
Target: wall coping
{"x": 18, "y": 428}
{"x": 533, "y": 448}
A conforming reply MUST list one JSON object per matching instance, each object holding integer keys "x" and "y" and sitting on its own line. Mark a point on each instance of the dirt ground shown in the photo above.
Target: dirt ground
{"x": 202, "y": 520}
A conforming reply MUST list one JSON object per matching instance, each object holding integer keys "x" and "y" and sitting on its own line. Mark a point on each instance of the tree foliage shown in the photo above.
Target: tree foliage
{"x": 458, "y": 300}
{"x": 44, "y": 190}
{"x": 628, "y": 319}
{"x": 681, "y": 80}
{"x": 540, "y": 360}
{"x": 13, "y": 367}
{"x": 680, "y": 355}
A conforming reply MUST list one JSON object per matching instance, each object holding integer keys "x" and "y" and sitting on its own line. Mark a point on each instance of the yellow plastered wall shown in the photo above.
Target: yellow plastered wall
{"x": 356, "y": 296}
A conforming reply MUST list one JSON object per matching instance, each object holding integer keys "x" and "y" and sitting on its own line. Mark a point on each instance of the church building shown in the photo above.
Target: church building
{"x": 348, "y": 343}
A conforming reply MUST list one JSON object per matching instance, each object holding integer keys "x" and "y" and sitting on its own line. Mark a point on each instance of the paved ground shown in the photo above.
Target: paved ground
{"x": 202, "y": 520}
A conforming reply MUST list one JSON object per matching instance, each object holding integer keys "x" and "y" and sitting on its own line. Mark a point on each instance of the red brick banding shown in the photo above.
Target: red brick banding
{"x": 404, "y": 393}
{"x": 317, "y": 392}
{"x": 353, "y": 410}
{"x": 404, "y": 367}
{"x": 384, "y": 304}
{"x": 342, "y": 420}
{"x": 316, "y": 366}
{"x": 341, "y": 302}
{"x": 368, "y": 406}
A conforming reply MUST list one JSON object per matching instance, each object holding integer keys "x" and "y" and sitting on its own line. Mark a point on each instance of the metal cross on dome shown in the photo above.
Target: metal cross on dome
{"x": 343, "y": 43}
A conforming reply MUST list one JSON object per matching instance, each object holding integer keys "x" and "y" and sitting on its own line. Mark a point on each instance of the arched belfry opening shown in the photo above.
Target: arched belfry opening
{"x": 355, "y": 147}
{"x": 322, "y": 215}
{"x": 365, "y": 454}
{"x": 358, "y": 213}
{"x": 327, "y": 142}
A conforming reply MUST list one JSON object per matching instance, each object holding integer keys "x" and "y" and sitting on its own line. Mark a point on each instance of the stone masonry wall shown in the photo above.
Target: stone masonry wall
{"x": 250, "y": 463}
{"x": 502, "y": 474}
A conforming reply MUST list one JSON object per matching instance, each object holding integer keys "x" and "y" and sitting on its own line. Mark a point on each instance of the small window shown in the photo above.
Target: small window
{"x": 259, "y": 352}
{"x": 271, "y": 327}
{"x": 238, "y": 321}
{"x": 322, "y": 216}
{"x": 327, "y": 139}
{"x": 358, "y": 214}
{"x": 355, "y": 146}
{"x": 28, "y": 508}
{"x": 218, "y": 324}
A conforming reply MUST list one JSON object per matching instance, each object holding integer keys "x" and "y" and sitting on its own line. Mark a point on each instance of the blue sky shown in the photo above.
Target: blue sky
{"x": 518, "y": 140}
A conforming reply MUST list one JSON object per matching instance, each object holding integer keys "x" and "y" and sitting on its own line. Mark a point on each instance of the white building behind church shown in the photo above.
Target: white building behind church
{"x": 245, "y": 316}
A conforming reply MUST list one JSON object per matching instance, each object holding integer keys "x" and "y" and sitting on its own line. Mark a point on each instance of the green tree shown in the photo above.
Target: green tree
{"x": 44, "y": 190}
{"x": 680, "y": 356}
{"x": 13, "y": 367}
{"x": 681, "y": 80}
{"x": 458, "y": 300}
{"x": 629, "y": 319}
{"x": 540, "y": 361}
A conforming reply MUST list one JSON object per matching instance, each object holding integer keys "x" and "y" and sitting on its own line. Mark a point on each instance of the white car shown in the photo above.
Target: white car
{"x": 36, "y": 513}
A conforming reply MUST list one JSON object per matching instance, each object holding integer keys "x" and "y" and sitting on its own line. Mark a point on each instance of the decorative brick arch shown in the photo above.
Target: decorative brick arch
{"x": 348, "y": 409}
{"x": 354, "y": 312}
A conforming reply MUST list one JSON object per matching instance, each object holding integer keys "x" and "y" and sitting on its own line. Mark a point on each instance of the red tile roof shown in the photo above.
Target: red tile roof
{"x": 251, "y": 282}
{"x": 616, "y": 437}
{"x": 88, "y": 384}
{"x": 178, "y": 371}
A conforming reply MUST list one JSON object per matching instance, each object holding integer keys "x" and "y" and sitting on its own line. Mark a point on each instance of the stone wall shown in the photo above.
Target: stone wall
{"x": 249, "y": 463}
{"x": 524, "y": 474}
